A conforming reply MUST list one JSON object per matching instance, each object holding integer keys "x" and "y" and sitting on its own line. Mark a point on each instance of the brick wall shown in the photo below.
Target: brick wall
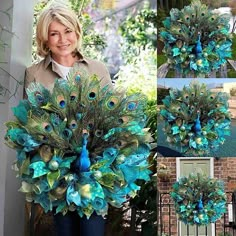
{"x": 224, "y": 169}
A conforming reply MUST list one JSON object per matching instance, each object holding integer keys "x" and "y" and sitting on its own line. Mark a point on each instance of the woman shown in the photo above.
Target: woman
{"x": 59, "y": 39}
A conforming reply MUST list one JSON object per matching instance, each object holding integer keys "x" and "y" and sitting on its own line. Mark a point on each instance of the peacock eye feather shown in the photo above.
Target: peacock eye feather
{"x": 47, "y": 127}
{"x": 111, "y": 104}
{"x": 98, "y": 133}
{"x": 61, "y": 101}
{"x": 132, "y": 105}
{"x": 119, "y": 143}
{"x": 72, "y": 98}
{"x": 120, "y": 121}
{"x": 212, "y": 97}
{"x": 92, "y": 95}
{"x": 73, "y": 124}
{"x": 79, "y": 115}
{"x": 67, "y": 133}
{"x": 39, "y": 97}
{"x": 77, "y": 78}
{"x": 90, "y": 126}
{"x": 62, "y": 104}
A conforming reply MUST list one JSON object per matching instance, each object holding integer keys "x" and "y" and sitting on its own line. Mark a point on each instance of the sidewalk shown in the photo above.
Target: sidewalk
{"x": 232, "y": 107}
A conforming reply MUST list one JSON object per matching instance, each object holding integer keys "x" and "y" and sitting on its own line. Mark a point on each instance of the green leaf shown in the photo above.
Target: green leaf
{"x": 107, "y": 179}
{"x": 24, "y": 169}
{"x": 52, "y": 177}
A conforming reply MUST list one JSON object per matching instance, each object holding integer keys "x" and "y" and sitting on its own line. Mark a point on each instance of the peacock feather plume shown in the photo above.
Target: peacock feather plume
{"x": 196, "y": 119}
{"x": 81, "y": 146}
{"x": 197, "y": 39}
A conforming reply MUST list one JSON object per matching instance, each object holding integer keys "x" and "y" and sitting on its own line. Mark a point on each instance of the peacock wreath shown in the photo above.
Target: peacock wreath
{"x": 81, "y": 146}
{"x": 196, "y": 119}
{"x": 196, "y": 39}
{"x": 199, "y": 199}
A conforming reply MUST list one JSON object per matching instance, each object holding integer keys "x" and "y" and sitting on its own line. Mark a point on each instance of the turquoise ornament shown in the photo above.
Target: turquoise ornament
{"x": 97, "y": 174}
{"x": 53, "y": 165}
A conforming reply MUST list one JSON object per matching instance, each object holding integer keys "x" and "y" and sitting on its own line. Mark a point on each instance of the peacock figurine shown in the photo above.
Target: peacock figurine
{"x": 197, "y": 126}
{"x": 200, "y": 204}
{"x": 198, "y": 47}
{"x": 81, "y": 146}
{"x": 83, "y": 163}
{"x": 196, "y": 39}
{"x": 196, "y": 120}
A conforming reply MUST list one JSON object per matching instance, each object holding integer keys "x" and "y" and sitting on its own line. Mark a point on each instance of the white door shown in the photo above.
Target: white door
{"x": 185, "y": 166}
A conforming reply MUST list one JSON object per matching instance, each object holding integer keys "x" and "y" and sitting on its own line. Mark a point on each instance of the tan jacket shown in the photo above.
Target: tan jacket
{"x": 46, "y": 71}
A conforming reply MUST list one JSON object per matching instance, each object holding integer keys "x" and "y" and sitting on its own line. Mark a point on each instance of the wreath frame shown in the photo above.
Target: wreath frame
{"x": 187, "y": 193}
{"x": 183, "y": 31}
{"x": 180, "y": 114}
{"x": 48, "y": 144}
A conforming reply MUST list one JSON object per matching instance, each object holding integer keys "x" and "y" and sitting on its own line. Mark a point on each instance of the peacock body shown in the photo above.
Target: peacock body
{"x": 81, "y": 146}
{"x": 196, "y": 119}
{"x": 197, "y": 39}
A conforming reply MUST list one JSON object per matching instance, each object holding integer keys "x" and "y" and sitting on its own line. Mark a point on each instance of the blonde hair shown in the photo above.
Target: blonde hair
{"x": 63, "y": 15}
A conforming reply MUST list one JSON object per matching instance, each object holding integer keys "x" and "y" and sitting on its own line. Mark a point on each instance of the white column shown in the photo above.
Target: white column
{"x": 17, "y": 57}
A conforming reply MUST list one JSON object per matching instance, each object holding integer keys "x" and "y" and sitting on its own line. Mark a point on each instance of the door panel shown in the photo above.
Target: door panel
{"x": 195, "y": 166}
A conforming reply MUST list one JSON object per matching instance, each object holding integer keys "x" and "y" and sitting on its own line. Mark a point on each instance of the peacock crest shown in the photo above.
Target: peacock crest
{"x": 81, "y": 146}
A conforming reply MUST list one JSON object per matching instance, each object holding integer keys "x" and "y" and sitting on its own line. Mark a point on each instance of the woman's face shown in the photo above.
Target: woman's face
{"x": 62, "y": 41}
